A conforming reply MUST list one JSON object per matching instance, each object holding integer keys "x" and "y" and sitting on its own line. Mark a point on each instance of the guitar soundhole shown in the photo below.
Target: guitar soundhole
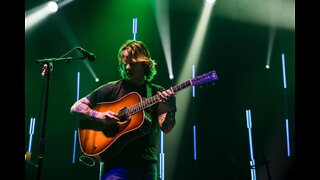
{"x": 123, "y": 114}
{"x": 111, "y": 130}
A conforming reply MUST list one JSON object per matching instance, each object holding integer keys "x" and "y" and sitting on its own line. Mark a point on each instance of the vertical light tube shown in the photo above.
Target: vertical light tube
{"x": 288, "y": 142}
{"x": 194, "y": 143}
{"x": 101, "y": 169}
{"x": 161, "y": 166}
{"x": 134, "y": 28}
{"x": 75, "y": 131}
{"x": 78, "y": 85}
{"x": 27, "y": 156}
{"x": 284, "y": 72}
{"x": 31, "y": 131}
{"x": 193, "y": 87}
{"x": 285, "y": 86}
{"x": 194, "y": 126}
{"x": 74, "y": 146}
{"x": 252, "y": 162}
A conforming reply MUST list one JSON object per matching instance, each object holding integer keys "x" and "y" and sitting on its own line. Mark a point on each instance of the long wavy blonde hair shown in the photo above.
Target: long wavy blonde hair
{"x": 138, "y": 52}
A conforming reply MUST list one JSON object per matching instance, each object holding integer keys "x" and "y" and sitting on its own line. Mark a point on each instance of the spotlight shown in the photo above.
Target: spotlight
{"x": 53, "y": 6}
{"x": 210, "y": 1}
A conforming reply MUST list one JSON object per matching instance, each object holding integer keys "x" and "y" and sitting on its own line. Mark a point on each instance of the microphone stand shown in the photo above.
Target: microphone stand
{"x": 47, "y": 67}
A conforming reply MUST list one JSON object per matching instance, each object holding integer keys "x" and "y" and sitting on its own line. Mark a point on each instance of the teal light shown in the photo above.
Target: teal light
{"x": 252, "y": 161}
{"x": 284, "y": 72}
{"x": 288, "y": 142}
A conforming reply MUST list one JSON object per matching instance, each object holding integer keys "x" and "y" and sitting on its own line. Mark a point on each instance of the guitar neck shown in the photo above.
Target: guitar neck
{"x": 199, "y": 80}
{"x": 155, "y": 99}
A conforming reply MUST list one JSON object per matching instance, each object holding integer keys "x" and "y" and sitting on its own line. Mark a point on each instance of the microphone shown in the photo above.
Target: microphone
{"x": 88, "y": 55}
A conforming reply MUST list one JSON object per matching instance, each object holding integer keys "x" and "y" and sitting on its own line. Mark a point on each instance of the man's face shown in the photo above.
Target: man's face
{"x": 134, "y": 70}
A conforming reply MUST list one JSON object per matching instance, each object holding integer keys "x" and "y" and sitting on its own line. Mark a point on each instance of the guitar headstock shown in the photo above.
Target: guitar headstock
{"x": 205, "y": 78}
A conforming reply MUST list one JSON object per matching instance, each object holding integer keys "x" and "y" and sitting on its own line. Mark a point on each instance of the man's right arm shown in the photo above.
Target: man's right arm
{"x": 82, "y": 108}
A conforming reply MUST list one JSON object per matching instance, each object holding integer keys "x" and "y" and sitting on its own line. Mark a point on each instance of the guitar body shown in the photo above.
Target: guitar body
{"x": 96, "y": 138}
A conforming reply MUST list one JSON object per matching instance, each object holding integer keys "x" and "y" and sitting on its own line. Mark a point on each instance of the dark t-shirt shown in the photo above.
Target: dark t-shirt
{"x": 142, "y": 149}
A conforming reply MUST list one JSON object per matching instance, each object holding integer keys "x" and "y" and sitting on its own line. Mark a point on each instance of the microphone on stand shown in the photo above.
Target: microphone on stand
{"x": 90, "y": 56}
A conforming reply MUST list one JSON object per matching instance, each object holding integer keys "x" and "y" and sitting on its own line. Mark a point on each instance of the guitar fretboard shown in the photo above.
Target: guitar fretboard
{"x": 155, "y": 99}
{"x": 199, "y": 80}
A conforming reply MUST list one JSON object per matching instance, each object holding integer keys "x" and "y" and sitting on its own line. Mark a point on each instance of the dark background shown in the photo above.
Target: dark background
{"x": 236, "y": 49}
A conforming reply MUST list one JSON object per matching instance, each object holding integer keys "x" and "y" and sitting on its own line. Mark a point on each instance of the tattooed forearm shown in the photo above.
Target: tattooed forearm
{"x": 93, "y": 114}
{"x": 82, "y": 108}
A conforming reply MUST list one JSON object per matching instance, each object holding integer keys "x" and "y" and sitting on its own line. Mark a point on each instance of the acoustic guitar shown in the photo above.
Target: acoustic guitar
{"x": 96, "y": 138}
